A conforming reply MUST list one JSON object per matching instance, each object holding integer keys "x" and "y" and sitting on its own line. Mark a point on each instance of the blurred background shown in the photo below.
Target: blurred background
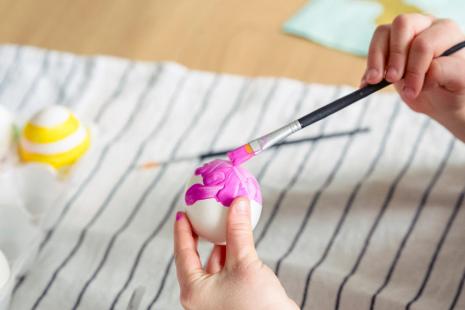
{"x": 242, "y": 36}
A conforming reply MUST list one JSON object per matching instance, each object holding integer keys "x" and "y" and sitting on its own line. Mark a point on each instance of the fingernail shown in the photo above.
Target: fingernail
{"x": 409, "y": 92}
{"x": 179, "y": 216}
{"x": 391, "y": 74}
{"x": 372, "y": 74}
{"x": 242, "y": 206}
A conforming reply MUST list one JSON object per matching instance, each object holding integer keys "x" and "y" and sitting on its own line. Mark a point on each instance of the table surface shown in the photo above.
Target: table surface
{"x": 235, "y": 36}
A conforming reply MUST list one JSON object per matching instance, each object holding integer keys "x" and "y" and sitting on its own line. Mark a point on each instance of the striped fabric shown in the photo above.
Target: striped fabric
{"x": 363, "y": 221}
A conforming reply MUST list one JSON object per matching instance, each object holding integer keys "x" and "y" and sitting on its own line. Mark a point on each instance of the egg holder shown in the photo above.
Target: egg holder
{"x": 28, "y": 192}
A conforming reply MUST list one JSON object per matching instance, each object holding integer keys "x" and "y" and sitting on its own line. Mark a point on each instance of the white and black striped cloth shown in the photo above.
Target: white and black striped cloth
{"x": 364, "y": 221}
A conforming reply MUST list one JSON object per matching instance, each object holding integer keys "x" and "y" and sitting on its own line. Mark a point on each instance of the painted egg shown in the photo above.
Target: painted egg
{"x": 4, "y": 270}
{"x": 6, "y": 131}
{"x": 211, "y": 191}
{"x": 54, "y": 136}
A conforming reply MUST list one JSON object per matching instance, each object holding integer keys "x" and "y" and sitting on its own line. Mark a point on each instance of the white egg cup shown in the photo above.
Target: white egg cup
{"x": 6, "y": 132}
{"x": 20, "y": 234}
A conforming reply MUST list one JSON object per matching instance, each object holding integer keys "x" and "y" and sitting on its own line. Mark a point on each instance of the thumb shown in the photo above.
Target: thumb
{"x": 240, "y": 247}
{"x": 448, "y": 73}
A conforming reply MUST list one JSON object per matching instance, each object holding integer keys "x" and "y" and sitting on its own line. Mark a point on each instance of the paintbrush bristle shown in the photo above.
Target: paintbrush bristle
{"x": 241, "y": 154}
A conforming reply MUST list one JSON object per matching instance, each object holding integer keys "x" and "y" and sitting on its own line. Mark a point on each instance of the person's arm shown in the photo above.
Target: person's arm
{"x": 406, "y": 54}
{"x": 234, "y": 277}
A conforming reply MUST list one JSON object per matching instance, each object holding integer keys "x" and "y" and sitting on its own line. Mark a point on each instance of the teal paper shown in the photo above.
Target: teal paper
{"x": 348, "y": 25}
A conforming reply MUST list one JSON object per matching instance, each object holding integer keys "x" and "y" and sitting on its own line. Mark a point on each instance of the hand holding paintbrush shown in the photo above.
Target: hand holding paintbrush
{"x": 442, "y": 97}
{"x": 253, "y": 148}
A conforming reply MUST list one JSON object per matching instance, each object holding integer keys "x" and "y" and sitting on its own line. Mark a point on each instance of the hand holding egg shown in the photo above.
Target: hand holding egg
{"x": 211, "y": 191}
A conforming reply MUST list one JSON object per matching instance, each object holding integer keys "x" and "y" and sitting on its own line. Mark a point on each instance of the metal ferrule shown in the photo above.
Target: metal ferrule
{"x": 262, "y": 143}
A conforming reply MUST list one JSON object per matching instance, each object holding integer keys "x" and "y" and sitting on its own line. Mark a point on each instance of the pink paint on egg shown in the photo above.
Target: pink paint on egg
{"x": 223, "y": 181}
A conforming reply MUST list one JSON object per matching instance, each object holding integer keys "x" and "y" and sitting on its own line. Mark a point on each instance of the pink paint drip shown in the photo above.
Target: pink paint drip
{"x": 224, "y": 182}
{"x": 241, "y": 155}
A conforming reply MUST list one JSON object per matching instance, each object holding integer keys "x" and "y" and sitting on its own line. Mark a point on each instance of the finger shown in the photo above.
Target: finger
{"x": 240, "y": 246}
{"x": 363, "y": 81}
{"x": 188, "y": 265}
{"x": 426, "y": 46}
{"x": 217, "y": 259}
{"x": 404, "y": 29}
{"x": 447, "y": 72}
{"x": 377, "y": 54}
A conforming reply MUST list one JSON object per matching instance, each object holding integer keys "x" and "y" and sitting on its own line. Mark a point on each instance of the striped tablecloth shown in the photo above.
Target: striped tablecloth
{"x": 373, "y": 220}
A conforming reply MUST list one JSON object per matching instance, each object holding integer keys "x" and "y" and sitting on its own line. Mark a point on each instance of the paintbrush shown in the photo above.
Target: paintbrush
{"x": 203, "y": 156}
{"x": 255, "y": 147}
{"x": 297, "y": 141}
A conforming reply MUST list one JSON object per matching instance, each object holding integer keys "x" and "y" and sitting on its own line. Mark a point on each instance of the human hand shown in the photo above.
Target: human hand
{"x": 234, "y": 277}
{"x": 406, "y": 53}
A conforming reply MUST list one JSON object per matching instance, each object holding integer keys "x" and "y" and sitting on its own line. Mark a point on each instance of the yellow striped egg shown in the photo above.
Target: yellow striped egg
{"x": 54, "y": 136}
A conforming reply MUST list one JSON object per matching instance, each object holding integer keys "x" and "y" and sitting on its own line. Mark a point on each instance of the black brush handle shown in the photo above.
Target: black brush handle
{"x": 357, "y": 95}
{"x": 341, "y": 103}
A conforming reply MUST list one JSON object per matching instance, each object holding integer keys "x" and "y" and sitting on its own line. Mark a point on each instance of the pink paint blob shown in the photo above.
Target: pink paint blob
{"x": 241, "y": 154}
{"x": 224, "y": 182}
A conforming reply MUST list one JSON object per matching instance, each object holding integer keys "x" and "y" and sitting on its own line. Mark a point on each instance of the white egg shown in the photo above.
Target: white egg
{"x": 4, "y": 270}
{"x": 6, "y": 131}
{"x": 209, "y": 216}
